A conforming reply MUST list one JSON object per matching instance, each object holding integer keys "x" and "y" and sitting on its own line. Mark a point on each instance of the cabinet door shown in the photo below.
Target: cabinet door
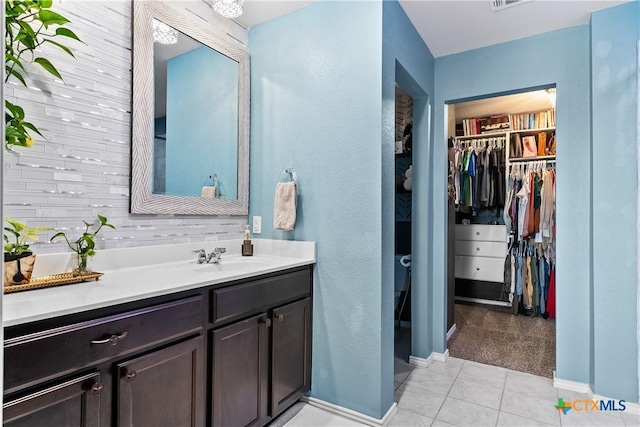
{"x": 72, "y": 403}
{"x": 240, "y": 373}
{"x": 291, "y": 354}
{"x": 164, "y": 388}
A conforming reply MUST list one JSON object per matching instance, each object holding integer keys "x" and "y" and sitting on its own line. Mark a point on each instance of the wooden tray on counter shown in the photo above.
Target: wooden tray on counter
{"x": 52, "y": 280}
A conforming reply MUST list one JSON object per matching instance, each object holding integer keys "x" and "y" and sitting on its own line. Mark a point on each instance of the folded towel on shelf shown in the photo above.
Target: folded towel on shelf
{"x": 284, "y": 208}
{"x": 209, "y": 192}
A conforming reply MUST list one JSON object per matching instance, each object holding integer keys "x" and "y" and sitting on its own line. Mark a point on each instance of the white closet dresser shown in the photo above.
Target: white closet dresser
{"x": 480, "y": 252}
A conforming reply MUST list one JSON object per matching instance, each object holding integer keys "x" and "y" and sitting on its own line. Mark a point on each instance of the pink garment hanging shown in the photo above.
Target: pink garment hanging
{"x": 551, "y": 299}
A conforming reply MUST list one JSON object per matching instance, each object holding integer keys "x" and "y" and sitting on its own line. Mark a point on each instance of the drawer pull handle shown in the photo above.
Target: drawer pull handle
{"x": 477, "y": 249}
{"x": 280, "y": 317}
{"x": 477, "y": 268}
{"x": 112, "y": 340}
{"x": 130, "y": 376}
{"x": 97, "y": 388}
{"x": 266, "y": 321}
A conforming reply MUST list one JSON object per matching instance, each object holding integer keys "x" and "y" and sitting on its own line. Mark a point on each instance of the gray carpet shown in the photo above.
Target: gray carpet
{"x": 493, "y": 335}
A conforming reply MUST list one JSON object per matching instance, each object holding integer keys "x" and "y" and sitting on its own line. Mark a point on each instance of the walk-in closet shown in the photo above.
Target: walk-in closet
{"x": 502, "y": 175}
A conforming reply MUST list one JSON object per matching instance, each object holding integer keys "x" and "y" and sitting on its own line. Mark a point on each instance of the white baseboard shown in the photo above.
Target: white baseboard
{"x": 351, "y": 414}
{"x": 451, "y": 331}
{"x": 441, "y": 357}
{"x": 419, "y": 362}
{"x": 571, "y": 385}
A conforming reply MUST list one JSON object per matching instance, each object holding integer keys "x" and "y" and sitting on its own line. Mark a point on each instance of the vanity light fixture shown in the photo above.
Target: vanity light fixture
{"x": 228, "y": 8}
{"x": 164, "y": 34}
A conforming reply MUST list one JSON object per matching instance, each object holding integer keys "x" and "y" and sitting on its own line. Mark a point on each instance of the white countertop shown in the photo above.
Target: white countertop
{"x": 133, "y": 274}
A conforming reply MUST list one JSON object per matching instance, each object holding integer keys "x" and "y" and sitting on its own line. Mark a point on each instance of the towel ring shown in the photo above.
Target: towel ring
{"x": 288, "y": 175}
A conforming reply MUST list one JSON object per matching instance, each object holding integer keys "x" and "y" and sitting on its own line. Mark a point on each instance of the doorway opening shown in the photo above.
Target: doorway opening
{"x": 402, "y": 260}
{"x": 501, "y": 206}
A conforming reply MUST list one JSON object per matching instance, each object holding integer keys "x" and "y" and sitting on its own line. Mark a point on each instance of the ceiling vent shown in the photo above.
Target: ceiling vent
{"x": 497, "y": 5}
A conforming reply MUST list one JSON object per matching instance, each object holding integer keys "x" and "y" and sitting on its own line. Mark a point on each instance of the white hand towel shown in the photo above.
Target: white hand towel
{"x": 284, "y": 208}
{"x": 209, "y": 192}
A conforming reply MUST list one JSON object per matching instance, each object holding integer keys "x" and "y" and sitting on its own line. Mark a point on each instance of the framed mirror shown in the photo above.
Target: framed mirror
{"x": 190, "y": 124}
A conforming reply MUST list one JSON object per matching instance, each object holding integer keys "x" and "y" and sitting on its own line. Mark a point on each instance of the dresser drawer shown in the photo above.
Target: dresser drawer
{"x": 492, "y": 233}
{"x": 243, "y": 300}
{"x": 481, "y": 249}
{"x": 61, "y": 350}
{"x": 480, "y": 268}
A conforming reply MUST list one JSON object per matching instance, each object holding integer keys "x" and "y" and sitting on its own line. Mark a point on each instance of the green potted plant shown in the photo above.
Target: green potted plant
{"x": 18, "y": 257}
{"x": 84, "y": 246}
{"x": 29, "y": 24}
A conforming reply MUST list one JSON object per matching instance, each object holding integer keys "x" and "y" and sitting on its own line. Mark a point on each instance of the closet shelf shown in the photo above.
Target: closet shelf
{"x": 483, "y": 135}
{"x": 532, "y": 131}
{"x": 531, "y": 159}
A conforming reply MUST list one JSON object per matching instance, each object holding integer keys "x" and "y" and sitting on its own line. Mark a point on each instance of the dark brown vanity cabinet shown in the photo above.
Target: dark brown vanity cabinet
{"x": 262, "y": 364}
{"x": 226, "y": 355}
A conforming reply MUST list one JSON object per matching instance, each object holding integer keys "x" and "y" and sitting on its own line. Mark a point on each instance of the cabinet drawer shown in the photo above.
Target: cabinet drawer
{"x": 61, "y": 350}
{"x": 481, "y": 249}
{"x": 492, "y": 233}
{"x": 480, "y": 268}
{"x": 249, "y": 298}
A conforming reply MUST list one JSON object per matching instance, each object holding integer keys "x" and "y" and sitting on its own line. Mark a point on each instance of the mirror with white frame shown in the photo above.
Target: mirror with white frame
{"x": 190, "y": 126}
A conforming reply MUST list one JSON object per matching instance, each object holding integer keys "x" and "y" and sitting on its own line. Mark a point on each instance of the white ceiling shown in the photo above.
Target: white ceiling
{"x": 454, "y": 26}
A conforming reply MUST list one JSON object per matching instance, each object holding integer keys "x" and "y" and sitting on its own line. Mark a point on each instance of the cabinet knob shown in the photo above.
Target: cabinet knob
{"x": 266, "y": 321}
{"x": 280, "y": 317}
{"x": 130, "y": 376}
{"x": 112, "y": 340}
{"x": 477, "y": 233}
{"x": 97, "y": 388}
{"x": 477, "y": 249}
{"x": 477, "y": 268}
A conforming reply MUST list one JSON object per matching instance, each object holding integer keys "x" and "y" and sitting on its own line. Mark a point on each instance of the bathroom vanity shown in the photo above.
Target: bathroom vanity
{"x": 232, "y": 350}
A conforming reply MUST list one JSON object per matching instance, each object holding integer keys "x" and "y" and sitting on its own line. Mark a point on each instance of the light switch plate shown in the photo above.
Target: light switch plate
{"x": 257, "y": 224}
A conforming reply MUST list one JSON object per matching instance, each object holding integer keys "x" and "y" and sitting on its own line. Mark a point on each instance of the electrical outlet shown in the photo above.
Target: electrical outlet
{"x": 257, "y": 224}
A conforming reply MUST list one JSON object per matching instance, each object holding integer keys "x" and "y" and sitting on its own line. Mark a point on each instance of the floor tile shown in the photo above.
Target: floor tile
{"x": 460, "y": 413}
{"x": 531, "y": 384}
{"x": 451, "y": 367}
{"x": 440, "y": 423}
{"x": 430, "y": 380}
{"x": 422, "y": 402}
{"x": 479, "y": 394}
{"x": 509, "y": 420}
{"x": 534, "y": 408}
{"x": 310, "y": 416}
{"x": 404, "y": 418}
{"x": 483, "y": 374}
{"x": 591, "y": 419}
{"x": 630, "y": 419}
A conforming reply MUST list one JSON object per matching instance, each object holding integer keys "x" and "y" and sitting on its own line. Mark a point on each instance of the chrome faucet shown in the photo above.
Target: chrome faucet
{"x": 213, "y": 257}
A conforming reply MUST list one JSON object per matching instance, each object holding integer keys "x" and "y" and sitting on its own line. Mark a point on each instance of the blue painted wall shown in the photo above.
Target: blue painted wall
{"x": 562, "y": 58}
{"x": 614, "y": 34}
{"x": 202, "y": 105}
{"x": 315, "y": 106}
{"x": 408, "y": 61}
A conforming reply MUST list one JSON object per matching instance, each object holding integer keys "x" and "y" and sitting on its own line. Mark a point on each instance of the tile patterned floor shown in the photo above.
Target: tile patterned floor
{"x": 464, "y": 393}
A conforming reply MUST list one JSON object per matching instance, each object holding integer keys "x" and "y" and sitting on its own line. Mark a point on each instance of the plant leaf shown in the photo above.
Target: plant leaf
{"x": 50, "y": 18}
{"x": 103, "y": 220}
{"x": 55, "y": 236}
{"x": 65, "y": 32}
{"x": 10, "y": 57}
{"x": 18, "y": 76}
{"x": 48, "y": 66}
{"x": 61, "y": 46}
{"x": 33, "y": 128}
{"x": 45, "y": 4}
